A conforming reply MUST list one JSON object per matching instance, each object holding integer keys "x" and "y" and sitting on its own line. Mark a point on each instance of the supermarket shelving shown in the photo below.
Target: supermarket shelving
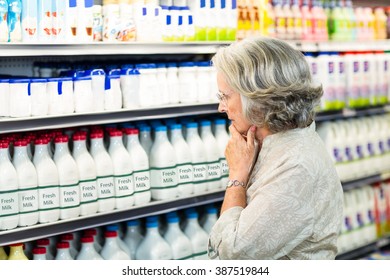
{"x": 365, "y": 250}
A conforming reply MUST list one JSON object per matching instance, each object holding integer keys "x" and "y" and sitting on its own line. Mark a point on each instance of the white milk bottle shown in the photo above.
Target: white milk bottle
{"x": 203, "y": 77}
{"x": 163, "y": 83}
{"x": 39, "y": 97}
{"x": 196, "y": 234}
{"x": 63, "y": 251}
{"x": 210, "y": 219}
{"x": 140, "y": 163}
{"x": 48, "y": 183}
{"x": 123, "y": 171}
{"x": 87, "y": 251}
{"x": 111, "y": 249}
{"x": 145, "y": 138}
{"x": 153, "y": 246}
{"x": 69, "y": 237}
{"x": 133, "y": 236}
{"x": 5, "y": 95}
{"x": 28, "y": 185}
{"x": 199, "y": 158}
{"x": 87, "y": 175}
{"x": 45, "y": 243}
{"x": 39, "y": 254}
{"x": 184, "y": 160}
{"x": 98, "y": 77}
{"x": 16, "y": 252}
{"x": 69, "y": 179}
{"x": 20, "y": 98}
{"x": 222, "y": 138}
{"x": 180, "y": 244}
{"x": 83, "y": 95}
{"x": 163, "y": 171}
{"x": 122, "y": 245}
{"x": 113, "y": 93}
{"x": 9, "y": 198}
{"x": 130, "y": 80}
{"x": 94, "y": 233}
{"x": 104, "y": 172}
{"x": 173, "y": 83}
{"x": 212, "y": 152}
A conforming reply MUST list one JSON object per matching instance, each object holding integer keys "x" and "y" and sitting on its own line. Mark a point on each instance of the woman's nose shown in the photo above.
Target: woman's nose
{"x": 221, "y": 107}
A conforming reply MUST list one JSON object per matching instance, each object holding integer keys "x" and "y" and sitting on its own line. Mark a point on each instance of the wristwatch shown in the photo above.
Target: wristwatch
{"x": 235, "y": 183}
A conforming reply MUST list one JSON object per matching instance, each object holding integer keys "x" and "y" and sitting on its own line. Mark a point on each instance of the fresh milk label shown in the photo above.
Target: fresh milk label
{"x": 185, "y": 173}
{"x": 224, "y": 168}
{"x": 88, "y": 191}
{"x": 106, "y": 187}
{"x": 69, "y": 196}
{"x": 124, "y": 185}
{"x": 163, "y": 178}
{"x": 200, "y": 172}
{"x": 141, "y": 180}
{"x": 28, "y": 201}
{"x": 49, "y": 197}
{"x": 214, "y": 171}
{"x": 9, "y": 201}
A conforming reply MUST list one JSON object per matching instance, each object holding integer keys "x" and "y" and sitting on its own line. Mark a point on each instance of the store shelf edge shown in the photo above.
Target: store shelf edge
{"x": 24, "y": 234}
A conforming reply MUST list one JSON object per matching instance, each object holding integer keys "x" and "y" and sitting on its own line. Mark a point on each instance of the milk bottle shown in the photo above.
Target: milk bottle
{"x": 104, "y": 172}
{"x": 145, "y": 138}
{"x": 63, "y": 251}
{"x": 69, "y": 179}
{"x": 45, "y": 243}
{"x": 213, "y": 164}
{"x": 210, "y": 219}
{"x": 153, "y": 246}
{"x": 140, "y": 163}
{"x": 28, "y": 183}
{"x": 173, "y": 83}
{"x": 133, "y": 237}
{"x": 122, "y": 245}
{"x": 196, "y": 234}
{"x": 9, "y": 198}
{"x": 87, "y": 251}
{"x": 93, "y": 232}
{"x": 39, "y": 254}
{"x": 3, "y": 21}
{"x": 87, "y": 176}
{"x": 48, "y": 183}
{"x": 14, "y": 23}
{"x": 184, "y": 160}
{"x": 111, "y": 249}
{"x": 123, "y": 171}
{"x": 16, "y": 252}
{"x": 3, "y": 254}
{"x": 163, "y": 171}
{"x": 180, "y": 244}
{"x": 69, "y": 237}
{"x": 98, "y": 77}
{"x": 222, "y": 138}
{"x": 199, "y": 158}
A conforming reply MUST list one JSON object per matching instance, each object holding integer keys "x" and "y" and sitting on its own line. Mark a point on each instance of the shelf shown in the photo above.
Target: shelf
{"x": 349, "y": 113}
{"x": 350, "y": 185}
{"x": 101, "y": 48}
{"x": 364, "y": 250}
{"x": 142, "y": 48}
{"x": 51, "y": 122}
{"x": 340, "y": 46}
{"x": 24, "y": 234}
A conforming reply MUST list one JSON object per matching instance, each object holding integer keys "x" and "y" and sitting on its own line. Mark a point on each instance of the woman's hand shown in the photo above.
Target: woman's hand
{"x": 240, "y": 153}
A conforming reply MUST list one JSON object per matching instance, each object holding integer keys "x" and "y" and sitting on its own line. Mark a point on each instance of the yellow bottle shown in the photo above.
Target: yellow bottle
{"x": 16, "y": 252}
{"x": 3, "y": 254}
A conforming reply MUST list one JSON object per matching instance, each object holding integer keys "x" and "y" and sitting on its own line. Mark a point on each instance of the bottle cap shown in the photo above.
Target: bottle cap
{"x": 96, "y": 134}
{"x": 62, "y": 245}
{"x": 90, "y": 232}
{"x": 114, "y": 133}
{"x": 79, "y": 136}
{"x": 67, "y": 237}
{"x": 110, "y": 234}
{"x": 133, "y": 223}
{"x": 39, "y": 251}
{"x": 20, "y": 143}
{"x": 86, "y": 239}
{"x": 43, "y": 242}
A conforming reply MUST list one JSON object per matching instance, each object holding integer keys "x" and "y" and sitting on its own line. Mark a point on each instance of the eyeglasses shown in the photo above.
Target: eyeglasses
{"x": 222, "y": 98}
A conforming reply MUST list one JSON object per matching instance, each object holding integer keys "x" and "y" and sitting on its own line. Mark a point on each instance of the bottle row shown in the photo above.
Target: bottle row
{"x": 351, "y": 79}
{"x": 178, "y": 235}
{"x": 83, "y": 21}
{"x": 44, "y": 177}
{"x": 131, "y": 87}
{"x": 359, "y": 147}
{"x": 366, "y": 216}
{"x": 312, "y": 20}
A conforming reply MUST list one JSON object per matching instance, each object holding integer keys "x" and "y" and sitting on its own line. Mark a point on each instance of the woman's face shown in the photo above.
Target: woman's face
{"x": 230, "y": 103}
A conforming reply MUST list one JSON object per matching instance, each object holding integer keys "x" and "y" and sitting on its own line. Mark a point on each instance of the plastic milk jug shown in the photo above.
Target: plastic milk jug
{"x": 196, "y": 234}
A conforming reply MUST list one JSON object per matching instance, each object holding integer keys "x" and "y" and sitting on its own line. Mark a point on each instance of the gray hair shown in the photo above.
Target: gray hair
{"x": 274, "y": 81}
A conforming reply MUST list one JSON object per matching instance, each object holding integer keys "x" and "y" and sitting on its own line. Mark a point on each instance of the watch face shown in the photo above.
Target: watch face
{"x": 230, "y": 183}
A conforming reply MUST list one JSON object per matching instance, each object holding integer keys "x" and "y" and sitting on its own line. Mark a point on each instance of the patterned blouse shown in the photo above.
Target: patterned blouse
{"x": 294, "y": 204}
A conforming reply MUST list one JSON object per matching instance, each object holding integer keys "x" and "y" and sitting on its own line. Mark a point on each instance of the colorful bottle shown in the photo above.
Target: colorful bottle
{"x": 4, "y": 33}
{"x": 14, "y": 20}
{"x": 16, "y": 252}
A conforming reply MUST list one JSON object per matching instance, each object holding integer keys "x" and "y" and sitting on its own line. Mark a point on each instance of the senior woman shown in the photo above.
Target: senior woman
{"x": 284, "y": 198}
